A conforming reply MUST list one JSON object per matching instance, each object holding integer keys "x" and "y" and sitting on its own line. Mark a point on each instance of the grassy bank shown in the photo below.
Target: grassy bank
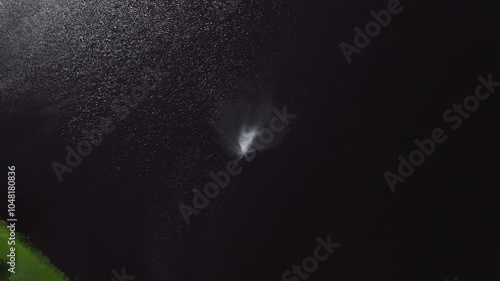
{"x": 31, "y": 265}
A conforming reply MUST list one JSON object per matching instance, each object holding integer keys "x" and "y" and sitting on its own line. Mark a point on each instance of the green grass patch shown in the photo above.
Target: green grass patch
{"x": 31, "y": 265}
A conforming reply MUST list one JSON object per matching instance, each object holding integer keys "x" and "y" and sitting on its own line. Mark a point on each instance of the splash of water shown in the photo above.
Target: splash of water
{"x": 240, "y": 125}
{"x": 245, "y": 140}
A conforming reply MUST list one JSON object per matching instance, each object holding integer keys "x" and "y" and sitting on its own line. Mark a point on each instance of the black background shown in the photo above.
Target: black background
{"x": 120, "y": 207}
